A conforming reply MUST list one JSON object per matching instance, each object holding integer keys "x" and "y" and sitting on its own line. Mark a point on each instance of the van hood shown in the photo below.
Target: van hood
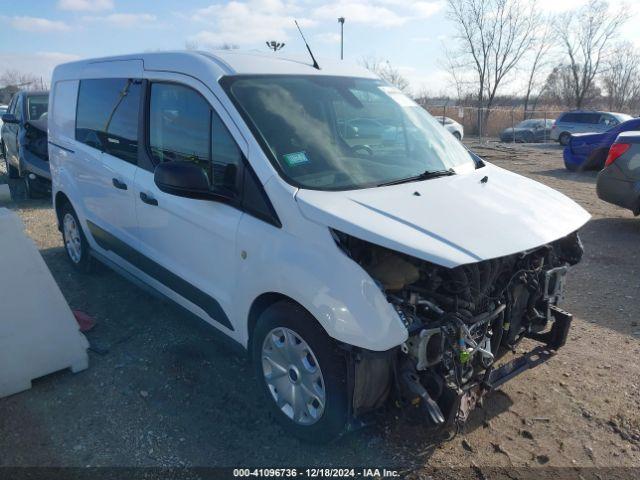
{"x": 451, "y": 220}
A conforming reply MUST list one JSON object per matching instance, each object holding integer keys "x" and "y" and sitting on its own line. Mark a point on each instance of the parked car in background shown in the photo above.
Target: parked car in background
{"x": 588, "y": 151}
{"x": 528, "y": 131}
{"x": 3, "y": 110}
{"x": 23, "y": 140}
{"x": 619, "y": 181}
{"x": 581, "y": 121}
{"x": 451, "y": 126}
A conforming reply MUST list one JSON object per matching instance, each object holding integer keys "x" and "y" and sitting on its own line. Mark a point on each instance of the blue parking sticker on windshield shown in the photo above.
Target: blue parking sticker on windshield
{"x": 295, "y": 159}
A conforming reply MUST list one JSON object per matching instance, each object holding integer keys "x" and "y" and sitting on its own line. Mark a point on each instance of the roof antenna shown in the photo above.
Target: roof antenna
{"x": 315, "y": 64}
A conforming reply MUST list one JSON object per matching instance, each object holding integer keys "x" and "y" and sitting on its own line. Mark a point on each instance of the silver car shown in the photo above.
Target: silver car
{"x": 452, "y": 126}
{"x": 619, "y": 181}
{"x": 584, "y": 122}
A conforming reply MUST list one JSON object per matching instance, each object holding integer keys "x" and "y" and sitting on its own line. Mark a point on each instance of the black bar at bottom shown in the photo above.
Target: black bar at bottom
{"x": 515, "y": 367}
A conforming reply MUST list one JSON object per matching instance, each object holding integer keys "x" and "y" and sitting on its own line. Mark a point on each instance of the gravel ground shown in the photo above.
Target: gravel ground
{"x": 162, "y": 390}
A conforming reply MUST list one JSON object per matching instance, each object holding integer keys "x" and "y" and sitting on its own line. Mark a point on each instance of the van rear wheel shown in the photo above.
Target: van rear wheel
{"x": 301, "y": 372}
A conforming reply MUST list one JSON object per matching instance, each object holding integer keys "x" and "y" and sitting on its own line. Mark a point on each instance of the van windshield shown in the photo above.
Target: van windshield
{"x": 342, "y": 133}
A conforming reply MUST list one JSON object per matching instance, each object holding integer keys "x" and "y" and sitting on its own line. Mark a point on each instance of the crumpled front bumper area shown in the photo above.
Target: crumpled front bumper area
{"x": 496, "y": 376}
{"x": 374, "y": 377}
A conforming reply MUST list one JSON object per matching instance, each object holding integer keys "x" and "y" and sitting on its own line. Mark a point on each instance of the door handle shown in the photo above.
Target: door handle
{"x": 148, "y": 199}
{"x": 118, "y": 184}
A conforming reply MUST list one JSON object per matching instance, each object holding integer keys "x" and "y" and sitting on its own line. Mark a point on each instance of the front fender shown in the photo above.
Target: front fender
{"x": 320, "y": 277}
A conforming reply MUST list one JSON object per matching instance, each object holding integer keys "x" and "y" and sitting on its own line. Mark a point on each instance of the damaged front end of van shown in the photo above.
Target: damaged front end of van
{"x": 469, "y": 283}
{"x": 461, "y": 321}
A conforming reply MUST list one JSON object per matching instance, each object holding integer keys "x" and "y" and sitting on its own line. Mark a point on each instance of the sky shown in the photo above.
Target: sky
{"x": 411, "y": 34}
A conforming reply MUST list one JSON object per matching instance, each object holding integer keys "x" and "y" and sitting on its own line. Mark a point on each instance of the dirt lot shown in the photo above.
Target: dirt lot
{"x": 161, "y": 390}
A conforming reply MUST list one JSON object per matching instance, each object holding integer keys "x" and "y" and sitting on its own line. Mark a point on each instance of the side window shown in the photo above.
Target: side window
{"x": 122, "y": 129}
{"x": 184, "y": 127}
{"x": 107, "y": 116}
{"x": 592, "y": 118}
{"x": 568, "y": 118}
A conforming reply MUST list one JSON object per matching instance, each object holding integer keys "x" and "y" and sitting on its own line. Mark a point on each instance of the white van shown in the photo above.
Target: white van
{"x": 354, "y": 267}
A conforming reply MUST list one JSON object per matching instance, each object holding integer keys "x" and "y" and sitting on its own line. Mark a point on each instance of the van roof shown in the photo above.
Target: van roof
{"x": 221, "y": 63}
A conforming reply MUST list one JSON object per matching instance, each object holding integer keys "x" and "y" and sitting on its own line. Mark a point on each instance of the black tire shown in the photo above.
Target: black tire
{"x": 596, "y": 160}
{"x": 333, "y": 421}
{"x": 31, "y": 187}
{"x": 457, "y": 135}
{"x": 564, "y": 138}
{"x": 528, "y": 137}
{"x": 85, "y": 262}
{"x": 572, "y": 167}
{"x": 12, "y": 171}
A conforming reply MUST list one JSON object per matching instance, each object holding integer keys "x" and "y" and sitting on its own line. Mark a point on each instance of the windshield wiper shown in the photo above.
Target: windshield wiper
{"x": 426, "y": 175}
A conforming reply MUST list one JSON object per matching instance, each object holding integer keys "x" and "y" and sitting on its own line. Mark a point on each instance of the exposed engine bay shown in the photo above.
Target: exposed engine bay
{"x": 460, "y": 321}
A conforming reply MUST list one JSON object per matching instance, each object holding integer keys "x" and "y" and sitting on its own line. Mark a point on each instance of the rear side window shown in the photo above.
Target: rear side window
{"x": 107, "y": 116}
{"x": 62, "y": 120}
{"x": 592, "y": 118}
{"x": 184, "y": 127}
{"x": 580, "y": 118}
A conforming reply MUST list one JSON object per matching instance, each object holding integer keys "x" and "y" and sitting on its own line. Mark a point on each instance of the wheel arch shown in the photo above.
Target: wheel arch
{"x": 59, "y": 201}
{"x": 562, "y": 134}
{"x": 264, "y": 301}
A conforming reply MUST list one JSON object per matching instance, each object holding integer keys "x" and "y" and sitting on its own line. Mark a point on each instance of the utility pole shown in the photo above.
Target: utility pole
{"x": 341, "y": 21}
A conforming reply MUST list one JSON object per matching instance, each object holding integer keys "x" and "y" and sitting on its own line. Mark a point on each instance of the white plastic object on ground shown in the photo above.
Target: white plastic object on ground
{"x": 38, "y": 332}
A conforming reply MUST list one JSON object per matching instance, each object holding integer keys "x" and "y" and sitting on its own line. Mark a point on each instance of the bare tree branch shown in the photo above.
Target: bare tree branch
{"x": 493, "y": 37}
{"x": 542, "y": 46}
{"x": 585, "y": 35}
{"x": 621, "y": 77}
{"x": 386, "y": 71}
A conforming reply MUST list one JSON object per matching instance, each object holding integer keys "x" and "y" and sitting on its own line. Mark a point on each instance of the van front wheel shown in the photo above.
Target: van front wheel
{"x": 75, "y": 243}
{"x": 301, "y": 372}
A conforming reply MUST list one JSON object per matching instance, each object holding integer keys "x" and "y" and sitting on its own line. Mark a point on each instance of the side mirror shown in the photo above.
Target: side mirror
{"x": 9, "y": 118}
{"x": 183, "y": 179}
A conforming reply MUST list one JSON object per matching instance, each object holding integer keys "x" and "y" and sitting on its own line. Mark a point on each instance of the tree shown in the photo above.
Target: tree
{"x": 21, "y": 80}
{"x": 541, "y": 49}
{"x": 386, "y": 71}
{"x": 621, "y": 77}
{"x": 558, "y": 88}
{"x": 492, "y": 38}
{"x": 585, "y": 34}
{"x": 456, "y": 71}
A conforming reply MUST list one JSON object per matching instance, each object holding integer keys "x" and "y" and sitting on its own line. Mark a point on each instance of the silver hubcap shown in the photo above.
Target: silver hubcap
{"x": 72, "y": 239}
{"x": 293, "y": 376}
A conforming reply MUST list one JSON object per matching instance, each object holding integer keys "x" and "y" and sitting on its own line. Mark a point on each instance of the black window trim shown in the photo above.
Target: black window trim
{"x": 149, "y": 163}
